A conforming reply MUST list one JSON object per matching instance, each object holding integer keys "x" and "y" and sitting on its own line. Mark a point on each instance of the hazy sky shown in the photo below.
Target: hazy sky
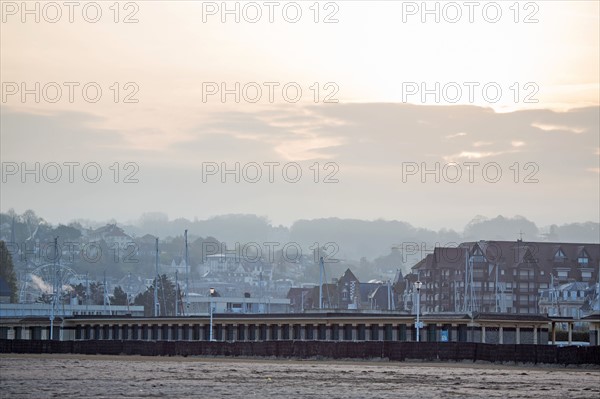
{"x": 495, "y": 87}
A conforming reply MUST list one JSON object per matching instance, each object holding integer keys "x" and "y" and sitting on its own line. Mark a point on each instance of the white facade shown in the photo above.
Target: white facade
{"x": 200, "y": 305}
{"x": 44, "y": 309}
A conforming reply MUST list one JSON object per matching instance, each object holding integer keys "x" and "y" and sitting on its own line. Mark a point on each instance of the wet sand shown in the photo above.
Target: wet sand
{"x": 80, "y": 376}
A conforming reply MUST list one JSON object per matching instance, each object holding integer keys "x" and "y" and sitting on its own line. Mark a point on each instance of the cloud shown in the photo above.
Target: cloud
{"x": 60, "y": 136}
{"x": 482, "y": 143}
{"x": 368, "y": 142}
{"x": 452, "y": 136}
{"x": 471, "y": 155}
{"x": 557, "y": 128}
{"x": 361, "y": 135}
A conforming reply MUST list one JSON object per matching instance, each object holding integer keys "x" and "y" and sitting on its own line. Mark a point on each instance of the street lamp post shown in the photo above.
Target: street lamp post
{"x": 212, "y": 292}
{"x": 418, "y": 286}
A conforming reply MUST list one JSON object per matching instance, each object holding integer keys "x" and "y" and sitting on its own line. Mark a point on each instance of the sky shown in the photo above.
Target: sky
{"x": 427, "y": 113}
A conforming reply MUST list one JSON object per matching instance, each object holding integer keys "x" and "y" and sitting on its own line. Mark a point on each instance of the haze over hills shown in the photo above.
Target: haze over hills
{"x": 361, "y": 238}
{"x": 350, "y": 239}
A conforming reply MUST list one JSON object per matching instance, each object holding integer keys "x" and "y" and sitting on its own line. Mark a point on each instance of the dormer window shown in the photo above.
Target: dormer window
{"x": 478, "y": 255}
{"x": 559, "y": 256}
{"x": 583, "y": 259}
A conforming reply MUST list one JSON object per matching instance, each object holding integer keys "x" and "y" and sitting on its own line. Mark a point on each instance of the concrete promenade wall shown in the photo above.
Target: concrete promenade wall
{"x": 395, "y": 351}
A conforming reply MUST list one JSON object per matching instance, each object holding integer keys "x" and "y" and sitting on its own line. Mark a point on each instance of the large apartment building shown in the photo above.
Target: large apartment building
{"x": 500, "y": 276}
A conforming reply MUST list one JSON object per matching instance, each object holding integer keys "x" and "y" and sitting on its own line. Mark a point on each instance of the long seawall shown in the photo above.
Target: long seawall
{"x": 393, "y": 351}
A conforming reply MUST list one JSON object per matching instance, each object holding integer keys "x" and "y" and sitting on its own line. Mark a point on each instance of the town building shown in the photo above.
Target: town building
{"x": 67, "y": 310}
{"x": 345, "y": 293}
{"x": 112, "y": 235}
{"x": 571, "y": 299}
{"x": 499, "y": 276}
{"x": 200, "y": 304}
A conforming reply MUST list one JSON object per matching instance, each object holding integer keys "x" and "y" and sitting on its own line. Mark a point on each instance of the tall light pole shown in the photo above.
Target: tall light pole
{"x": 210, "y": 333}
{"x": 418, "y": 286}
{"x": 176, "y": 294}
{"x": 321, "y": 272}
{"x": 156, "y": 304}
{"x": 55, "y": 288}
{"x": 187, "y": 277}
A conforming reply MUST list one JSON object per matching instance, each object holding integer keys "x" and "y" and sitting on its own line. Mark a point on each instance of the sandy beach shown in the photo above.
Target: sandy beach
{"x": 78, "y": 376}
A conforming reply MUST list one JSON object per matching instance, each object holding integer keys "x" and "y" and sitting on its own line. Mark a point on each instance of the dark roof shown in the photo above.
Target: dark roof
{"x": 510, "y": 317}
{"x": 511, "y": 254}
{"x": 399, "y": 277}
{"x": 367, "y": 288}
{"x": 348, "y": 276}
{"x": 445, "y": 316}
{"x": 592, "y": 317}
{"x": 296, "y": 292}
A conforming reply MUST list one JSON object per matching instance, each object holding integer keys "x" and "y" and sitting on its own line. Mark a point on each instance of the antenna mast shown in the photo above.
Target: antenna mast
{"x": 321, "y": 271}
{"x": 54, "y": 288}
{"x": 87, "y": 291}
{"x": 106, "y": 297}
{"x": 187, "y": 275}
{"x": 469, "y": 299}
{"x": 129, "y": 290}
{"x": 156, "y": 304}
{"x": 465, "y": 307}
{"x": 554, "y": 297}
{"x": 176, "y": 294}
{"x": 497, "y": 292}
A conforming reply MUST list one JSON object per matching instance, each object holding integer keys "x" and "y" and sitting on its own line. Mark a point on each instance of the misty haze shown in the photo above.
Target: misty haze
{"x": 294, "y": 198}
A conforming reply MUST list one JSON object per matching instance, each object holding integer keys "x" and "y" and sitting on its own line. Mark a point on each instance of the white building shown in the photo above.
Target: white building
{"x": 200, "y": 305}
{"x": 567, "y": 300}
{"x": 66, "y": 310}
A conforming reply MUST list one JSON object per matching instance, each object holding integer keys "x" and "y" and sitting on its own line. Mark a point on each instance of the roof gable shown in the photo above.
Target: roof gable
{"x": 348, "y": 276}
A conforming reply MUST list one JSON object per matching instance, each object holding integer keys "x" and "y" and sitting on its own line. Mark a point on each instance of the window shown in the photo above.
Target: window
{"x": 559, "y": 256}
{"x": 562, "y": 274}
{"x": 478, "y": 256}
{"x": 583, "y": 259}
